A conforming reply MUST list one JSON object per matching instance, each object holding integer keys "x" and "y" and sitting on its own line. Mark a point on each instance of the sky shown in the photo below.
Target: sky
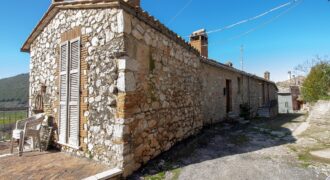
{"x": 276, "y": 42}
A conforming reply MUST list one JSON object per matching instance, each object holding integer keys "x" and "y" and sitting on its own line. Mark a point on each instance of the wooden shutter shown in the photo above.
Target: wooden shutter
{"x": 64, "y": 59}
{"x": 74, "y": 93}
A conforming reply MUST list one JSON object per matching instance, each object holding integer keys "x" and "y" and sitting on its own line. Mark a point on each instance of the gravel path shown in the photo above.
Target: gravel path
{"x": 260, "y": 150}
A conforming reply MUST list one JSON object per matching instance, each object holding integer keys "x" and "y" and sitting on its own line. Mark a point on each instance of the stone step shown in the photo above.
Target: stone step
{"x": 323, "y": 154}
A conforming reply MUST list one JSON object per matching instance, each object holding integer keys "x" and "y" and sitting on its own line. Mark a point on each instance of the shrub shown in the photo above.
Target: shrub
{"x": 317, "y": 83}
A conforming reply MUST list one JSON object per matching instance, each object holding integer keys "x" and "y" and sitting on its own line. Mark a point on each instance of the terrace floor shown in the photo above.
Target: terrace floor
{"x": 45, "y": 165}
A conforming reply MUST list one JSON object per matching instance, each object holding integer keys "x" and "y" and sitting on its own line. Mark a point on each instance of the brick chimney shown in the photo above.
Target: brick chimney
{"x": 267, "y": 75}
{"x": 199, "y": 40}
{"x": 135, "y": 3}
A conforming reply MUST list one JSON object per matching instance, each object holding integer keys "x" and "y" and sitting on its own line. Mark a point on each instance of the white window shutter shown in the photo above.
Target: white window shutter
{"x": 74, "y": 93}
{"x": 64, "y": 59}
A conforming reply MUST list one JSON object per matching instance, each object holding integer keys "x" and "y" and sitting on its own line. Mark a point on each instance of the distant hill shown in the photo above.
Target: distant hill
{"x": 299, "y": 80}
{"x": 14, "y": 91}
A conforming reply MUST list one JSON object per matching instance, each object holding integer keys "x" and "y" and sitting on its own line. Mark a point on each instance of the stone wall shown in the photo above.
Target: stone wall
{"x": 163, "y": 97}
{"x": 101, "y": 32}
{"x": 250, "y": 91}
{"x": 143, "y": 88}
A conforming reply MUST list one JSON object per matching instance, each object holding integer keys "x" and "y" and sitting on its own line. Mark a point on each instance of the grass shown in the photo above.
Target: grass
{"x": 325, "y": 98}
{"x": 11, "y": 117}
{"x": 304, "y": 156}
{"x": 305, "y": 160}
{"x": 159, "y": 176}
{"x": 176, "y": 174}
{"x": 162, "y": 175}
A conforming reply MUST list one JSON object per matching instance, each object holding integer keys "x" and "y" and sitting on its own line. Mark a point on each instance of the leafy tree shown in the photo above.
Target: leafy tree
{"x": 317, "y": 83}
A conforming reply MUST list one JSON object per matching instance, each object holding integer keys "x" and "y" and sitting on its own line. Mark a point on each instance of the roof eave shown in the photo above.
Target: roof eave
{"x": 221, "y": 65}
{"x": 28, "y": 42}
{"x": 85, "y": 4}
{"x": 51, "y": 12}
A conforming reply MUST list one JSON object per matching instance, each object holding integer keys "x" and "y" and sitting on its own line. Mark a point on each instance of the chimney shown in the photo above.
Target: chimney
{"x": 135, "y": 3}
{"x": 229, "y": 63}
{"x": 199, "y": 40}
{"x": 267, "y": 75}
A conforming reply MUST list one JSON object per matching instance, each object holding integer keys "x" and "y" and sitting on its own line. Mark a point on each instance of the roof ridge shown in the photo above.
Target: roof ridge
{"x": 215, "y": 63}
{"x": 162, "y": 27}
{"x": 134, "y": 10}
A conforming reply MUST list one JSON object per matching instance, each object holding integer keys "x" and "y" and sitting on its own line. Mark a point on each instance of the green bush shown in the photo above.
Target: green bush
{"x": 317, "y": 84}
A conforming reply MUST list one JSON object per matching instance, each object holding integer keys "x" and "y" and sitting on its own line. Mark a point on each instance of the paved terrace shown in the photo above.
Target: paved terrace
{"x": 45, "y": 165}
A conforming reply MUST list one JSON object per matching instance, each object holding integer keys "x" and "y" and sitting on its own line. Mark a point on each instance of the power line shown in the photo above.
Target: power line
{"x": 179, "y": 12}
{"x": 253, "y": 18}
{"x": 265, "y": 23}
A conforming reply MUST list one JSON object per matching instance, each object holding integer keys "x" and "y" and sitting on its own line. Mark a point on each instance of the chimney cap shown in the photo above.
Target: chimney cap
{"x": 200, "y": 32}
{"x": 135, "y": 3}
{"x": 229, "y": 63}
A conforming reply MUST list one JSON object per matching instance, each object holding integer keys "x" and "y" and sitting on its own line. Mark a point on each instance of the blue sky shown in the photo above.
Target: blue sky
{"x": 297, "y": 36}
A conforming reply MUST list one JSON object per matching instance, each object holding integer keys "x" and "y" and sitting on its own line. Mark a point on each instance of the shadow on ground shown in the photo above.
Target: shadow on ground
{"x": 220, "y": 140}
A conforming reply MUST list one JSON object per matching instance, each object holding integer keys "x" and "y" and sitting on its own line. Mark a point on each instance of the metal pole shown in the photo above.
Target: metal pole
{"x": 242, "y": 57}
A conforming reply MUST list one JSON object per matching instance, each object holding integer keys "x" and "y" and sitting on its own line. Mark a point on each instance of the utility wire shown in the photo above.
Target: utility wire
{"x": 252, "y": 18}
{"x": 179, "y": 12}
{"x": 264, "y": 24}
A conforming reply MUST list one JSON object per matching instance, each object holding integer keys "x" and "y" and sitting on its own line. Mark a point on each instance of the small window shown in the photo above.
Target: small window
{"x": 286, "y": 104}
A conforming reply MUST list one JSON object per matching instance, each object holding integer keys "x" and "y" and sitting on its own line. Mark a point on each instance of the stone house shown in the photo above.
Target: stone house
{"x": 123, "y": 88}
{"x": 289, "y": 99}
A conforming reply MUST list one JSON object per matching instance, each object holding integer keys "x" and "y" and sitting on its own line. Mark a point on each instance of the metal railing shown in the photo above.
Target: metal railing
{"x": 8, "y": 118}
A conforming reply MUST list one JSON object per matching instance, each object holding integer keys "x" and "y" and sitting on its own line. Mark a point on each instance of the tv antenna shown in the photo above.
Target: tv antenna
{"x": 242, "y": 57}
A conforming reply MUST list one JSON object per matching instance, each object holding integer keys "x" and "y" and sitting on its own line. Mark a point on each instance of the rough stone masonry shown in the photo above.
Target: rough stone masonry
{"x": 142, "y": 88}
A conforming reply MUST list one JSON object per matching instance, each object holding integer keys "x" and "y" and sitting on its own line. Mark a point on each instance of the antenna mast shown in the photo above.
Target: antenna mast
{"x": 242, "y": 57}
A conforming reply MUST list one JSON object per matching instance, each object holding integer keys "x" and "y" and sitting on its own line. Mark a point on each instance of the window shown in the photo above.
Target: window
{"x": 69, "y": 93}
{"x": 286, "y": 104}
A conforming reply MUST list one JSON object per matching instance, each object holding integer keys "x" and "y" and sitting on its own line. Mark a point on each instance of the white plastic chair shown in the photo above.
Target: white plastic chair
{"x": 27, "y": 128}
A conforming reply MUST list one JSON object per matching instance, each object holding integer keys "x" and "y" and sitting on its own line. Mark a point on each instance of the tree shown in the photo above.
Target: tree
{"x": 306, "y": 66}
{"x": 317, "y": 83}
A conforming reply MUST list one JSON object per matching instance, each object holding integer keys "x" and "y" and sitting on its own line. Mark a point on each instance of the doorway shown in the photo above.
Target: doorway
{"x": 228, "y": 96}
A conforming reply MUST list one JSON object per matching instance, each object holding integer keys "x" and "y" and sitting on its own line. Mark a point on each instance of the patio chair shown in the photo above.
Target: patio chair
{"x": 27, "y": 128}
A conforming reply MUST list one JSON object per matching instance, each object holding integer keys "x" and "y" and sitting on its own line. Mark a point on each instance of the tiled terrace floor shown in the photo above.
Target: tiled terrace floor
{"x": 45, "y": 165}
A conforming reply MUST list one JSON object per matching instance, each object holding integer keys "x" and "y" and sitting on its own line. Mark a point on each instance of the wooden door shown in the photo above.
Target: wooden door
{"x": 263, "y": 94}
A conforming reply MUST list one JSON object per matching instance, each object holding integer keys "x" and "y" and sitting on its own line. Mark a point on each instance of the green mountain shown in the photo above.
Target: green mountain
{"x": 14, "y": 91}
